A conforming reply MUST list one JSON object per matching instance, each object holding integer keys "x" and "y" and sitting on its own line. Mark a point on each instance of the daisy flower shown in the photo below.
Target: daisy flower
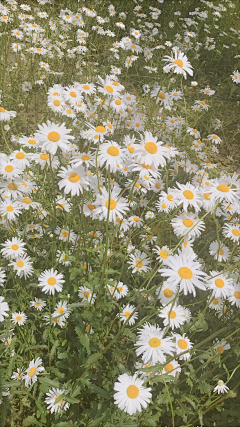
{"x": 109, "y": 86}
{"x": 220, "y": 284}
{"x": 86, "y": 294}
{"x": 111, "y": 154}
{"x": 62, "y": 310}
{"x": 232, "y": 232}
{"x": 130, "y": 394}
{"x": 9, "y": 210}
{"x": 51, "y": 136}
{"x": 166, "y": 201}
{"x": 139, "y": 262}
{"x": 51, "y": 281}
{"x": 182, "y": 344}
{"x": 54, "y": 404}
{"x": 17, "y": 375}
{"x": 188, "y": 195}
{"x": 173, "y": 316}
{"x": 6, "y": 115}
{"x": 4, "y": 308}
{"x": 8, "y": 168}
{"x": 166, "y": 293}
{"x": 118, "y": 292}
{"x": 151, "y": 152}
{"x": 13, "y": 248}
{"x": 73, "y": 180}
{"x": 19, "y": 318}
{"x": 173, "y": 368}
{"x": 151, "y": 344}
{"x": 39, "y": 304}
{"x": 221, "y": 346}
{"x": 22, "y": 266}
{"x": 126, "y": 313}
{"x": 185, "y": 272}
{"x": 221, "y": 191}
{"x": 32, "y": 371}
{"x": 162, "y": 253}
{"x": 66, "y": 235}
{"x": 187, "y": 224}
{"x": 220, "y": 253}
{"x": 179, "y": 64}
{"x": 234, "y": 294}
{"x": 116, "y": 207}
{"x": 135, "y": 221}
{"x": 215, "y": 139}
{"x": 221, "y": 387}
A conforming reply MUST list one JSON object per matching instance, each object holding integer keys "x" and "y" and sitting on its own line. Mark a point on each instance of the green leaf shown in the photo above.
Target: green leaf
{"x": 100, "y": 391}
{"x": 29, "y": 421}
{"x": 93, "y": 359}
{"x": 48, "y": 382}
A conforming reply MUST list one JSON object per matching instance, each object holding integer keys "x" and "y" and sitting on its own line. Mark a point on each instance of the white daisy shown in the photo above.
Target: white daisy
{"x": 151, "y": 344}
{"x": 221, "y": 253}
{"x": 32, "y": 371}
{"x": 188, "y": 195}
{"x": 19, "y": 318}
{"x": 22, "y": 266}
{"x": 51, "y": 136}
{"x": 39, "y": 304}
{"x": 172, "y": 315}
{"x": 139, "y": 262}
{"x": 117, "y": 206}
{"x": 56, "y": 403}
{"x": 185, "y": 272}
{"x": 220, "y": 284}
{"x": 151, "y": 152}
{"x": 51, "y": 281}
{"x": 62, "y": 310}
{"x": 130, "y": 394}
{"x": 172, "y": 368}
{"x": 179, "y": 64}
{"x": 127, "y": 312}
{"x": 182, "y": 344}
{"x": 232, "y": 232}
{"x": 187, "y": 224}
{"x": 111, "y": 154}
{"x": 13, "y": 248}
{"x": 86, "y": 294}
{"x": 74, "y": 180}
{"x": 221, "y": 387}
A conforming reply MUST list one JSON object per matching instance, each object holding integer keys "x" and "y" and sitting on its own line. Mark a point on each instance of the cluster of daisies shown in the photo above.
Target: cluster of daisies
{"x": 97, "y": 168}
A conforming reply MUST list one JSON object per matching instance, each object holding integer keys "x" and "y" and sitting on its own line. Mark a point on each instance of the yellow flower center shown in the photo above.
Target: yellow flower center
{"x": 20, "y": 264}
{"x": 52, "y": 281}
{"x": 139, "y": 263}
{"x": 207, "y": 196}
{"x": 185, "y": 273}
{"x": 220, "y": 349}
{"x": 113, "y": 151}
{"x": 169, "y": 367}
{"x": 151, "y": 147}
{"x": 20, "y": 155}
{"x": 182, "y": 344}
{"x": 85, "y": 157}
{"x": 60, "y": 310}
{"x": 168, "y": 293}
{"x": 54, "y": 136}
{"x": 37, "y": 304}
{"x": 188, "y": 194}
{"x": 127, "y": 313}
{"x": 235, "y": 232}
{"x": 9, "y": 208}
{"x": 26, "y": 200}
{"x": 188, "y": 222}
{"x": 9, "y": 168}
{"x": 161, "y": 95}
{"x": 237, "y": 294}
{"x": 56, "y": 102}
{"x": 109, "y": 89}
{"x": 86, "y": 294}
{"x": 18, "y": 318}
{"x": 219, "y": 283}
{"x": 113, "y": 204}
{"x": 154, "y": 342}
{"x": 73, "y": 94}
{"x": 100, "y": 129}
{"x": 15, "y": 247}
{"x": 2, "y": 110}
{"x": 223, "y": 188}
{"x": 44, "y": 156}
{"x": 74, "y": 177}
{"x": 173, "y": 314}
{"x": 91, "y": 207}
{"x": 178, "y": 62}
{"x": 31, "y": 372}
{"x": 65, "y": 234}
{"x": 132, "y": 391}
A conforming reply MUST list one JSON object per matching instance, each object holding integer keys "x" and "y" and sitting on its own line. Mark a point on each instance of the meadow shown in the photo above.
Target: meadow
{"x": 119, "y": 210}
